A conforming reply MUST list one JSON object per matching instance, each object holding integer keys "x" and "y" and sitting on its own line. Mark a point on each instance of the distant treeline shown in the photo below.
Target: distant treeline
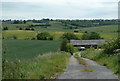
{"x": 76, "y": 23}
{"x": 88, "y": 23}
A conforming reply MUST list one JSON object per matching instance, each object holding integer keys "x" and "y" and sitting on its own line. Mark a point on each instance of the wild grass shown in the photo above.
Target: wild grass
{"x": 42, "y": 67}
{"x": 111, "y": 61}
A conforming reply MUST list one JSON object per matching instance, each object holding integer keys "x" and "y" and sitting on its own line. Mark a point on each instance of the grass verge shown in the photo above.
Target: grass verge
{"x": 110, "y": 61}
{"x": 42, "y": 67}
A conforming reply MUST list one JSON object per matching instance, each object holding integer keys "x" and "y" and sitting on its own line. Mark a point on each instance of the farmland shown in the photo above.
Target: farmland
{"x": 29, "y": 49}
{"x": 31, "y": 56}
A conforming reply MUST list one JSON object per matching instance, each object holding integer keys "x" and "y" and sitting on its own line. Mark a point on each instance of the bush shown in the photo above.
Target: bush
{"x": 69, "y": 36}
{"x": 44, "y": 36}
{"x": 111, "y": 46}
{"x": 70, "y": 48}
{"x": 63, "y": 46}
{"x": 14, "y": 37}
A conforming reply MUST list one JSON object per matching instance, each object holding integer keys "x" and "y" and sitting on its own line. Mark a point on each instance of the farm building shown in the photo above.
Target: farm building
{"x": 87, "y": 43}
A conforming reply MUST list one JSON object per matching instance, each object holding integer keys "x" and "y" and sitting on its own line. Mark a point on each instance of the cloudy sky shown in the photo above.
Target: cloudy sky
{"x": 59, "y": 9}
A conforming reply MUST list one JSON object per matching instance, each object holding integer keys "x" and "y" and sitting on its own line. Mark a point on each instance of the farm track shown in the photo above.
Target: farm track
{"x": 75, "y": 71}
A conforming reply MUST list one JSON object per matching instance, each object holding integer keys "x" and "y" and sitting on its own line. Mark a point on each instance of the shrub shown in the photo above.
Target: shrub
{"x": 70, "y": 48}
{"x": 63, "y": 46}
{"x": 111, "y": 46}
{"x": 14, "y": 37}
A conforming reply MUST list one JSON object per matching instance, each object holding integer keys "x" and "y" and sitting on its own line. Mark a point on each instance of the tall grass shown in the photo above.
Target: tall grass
{"x": 42, "y": 67}
{"x": 111, "y": 61}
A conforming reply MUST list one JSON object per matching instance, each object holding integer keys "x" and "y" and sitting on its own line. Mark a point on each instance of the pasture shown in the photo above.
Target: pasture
{"x": 28, "y": 49}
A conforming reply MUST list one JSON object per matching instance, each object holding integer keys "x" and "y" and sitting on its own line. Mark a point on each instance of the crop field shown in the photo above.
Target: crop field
{"x": 28, "y": 49}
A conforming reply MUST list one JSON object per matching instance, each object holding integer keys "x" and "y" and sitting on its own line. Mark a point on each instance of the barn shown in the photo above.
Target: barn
{"x": 87, "y": 43}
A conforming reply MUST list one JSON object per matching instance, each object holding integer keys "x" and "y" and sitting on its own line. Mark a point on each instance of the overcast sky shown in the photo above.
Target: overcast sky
{"x": 59, "y": 9}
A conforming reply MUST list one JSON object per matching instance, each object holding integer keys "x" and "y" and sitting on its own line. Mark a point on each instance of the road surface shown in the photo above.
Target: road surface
{"x": 76, "y": 71}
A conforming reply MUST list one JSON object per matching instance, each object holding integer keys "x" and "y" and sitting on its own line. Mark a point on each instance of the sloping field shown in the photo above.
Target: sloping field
{"x": 28, "y": 49}
{"x": 102, "y": 29}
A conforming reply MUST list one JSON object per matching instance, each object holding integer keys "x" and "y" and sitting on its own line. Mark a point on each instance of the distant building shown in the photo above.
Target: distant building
{"x": 87, "y": 43}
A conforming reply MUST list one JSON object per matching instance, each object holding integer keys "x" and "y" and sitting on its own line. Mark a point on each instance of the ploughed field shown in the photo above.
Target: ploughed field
{"x": 29, "y": 49}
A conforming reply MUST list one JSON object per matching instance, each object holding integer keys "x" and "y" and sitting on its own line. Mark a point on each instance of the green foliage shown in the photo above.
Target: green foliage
{"x": 111, "y": 61}
{"x": 14, "y": 37}
{"x": 111, "y": 47}
{"x": 44, "y": 36}
{"x": 69, "y": 36}
{"x": 89, "y": 36}
{"x": 70, "y": 48}
{"x": 5, "y": 28}
{"x": 20, "y": 28}
{"x": 63, "y": 46}
{"x": 37, "y": 68}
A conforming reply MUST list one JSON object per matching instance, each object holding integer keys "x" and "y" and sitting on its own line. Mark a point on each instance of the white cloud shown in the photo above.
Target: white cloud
{"x": 60, "y": 8}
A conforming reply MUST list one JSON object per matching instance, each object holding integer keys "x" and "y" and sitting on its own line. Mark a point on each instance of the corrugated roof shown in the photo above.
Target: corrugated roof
{"x": 87, "y": 42}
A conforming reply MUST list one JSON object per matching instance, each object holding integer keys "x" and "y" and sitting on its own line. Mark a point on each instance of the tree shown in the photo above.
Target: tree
{"x": 32, "y": 29}
{"x": 43, "y": 36}
{"x": 94, "y": 35}
{"x": 89, "y": 36}
{"x": 27, "y": 28}
{"x": 63, "y": 46}
{"x": 69, "y": 36}
{"x": 85, "y": 36}
{"x": 5, "y": 28}
{"x": 70, "y": 48}
{"x": 24, "y": 22}
{"x": 20, "y": 28}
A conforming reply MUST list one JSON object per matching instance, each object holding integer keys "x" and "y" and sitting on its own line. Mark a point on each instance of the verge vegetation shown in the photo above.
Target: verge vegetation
{"x": 108, "y": 56}
{"x": 42, "y": 67}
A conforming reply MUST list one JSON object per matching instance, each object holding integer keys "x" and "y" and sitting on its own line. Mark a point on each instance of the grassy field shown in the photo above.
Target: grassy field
{"x": 21, "y": 34}
{"x": 57, "y": 26}
{"x": 28, "y": 49}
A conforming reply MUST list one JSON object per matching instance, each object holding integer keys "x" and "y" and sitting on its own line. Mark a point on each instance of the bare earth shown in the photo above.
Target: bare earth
{"x": 75, "y": 71}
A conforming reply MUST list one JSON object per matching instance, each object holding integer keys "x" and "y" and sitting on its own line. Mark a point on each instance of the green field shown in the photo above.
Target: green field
{"x": 102, "y": 29}
{"x": 57, "y": 26}
{"x": 28, "y": 49}
{"x": 25, "y": 35}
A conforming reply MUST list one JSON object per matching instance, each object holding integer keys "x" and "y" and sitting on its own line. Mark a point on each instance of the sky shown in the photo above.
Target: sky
{"x": 59, "y": 9}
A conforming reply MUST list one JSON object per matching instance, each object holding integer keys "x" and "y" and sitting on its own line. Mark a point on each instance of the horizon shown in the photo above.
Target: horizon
{"x": 55, "y": 19}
